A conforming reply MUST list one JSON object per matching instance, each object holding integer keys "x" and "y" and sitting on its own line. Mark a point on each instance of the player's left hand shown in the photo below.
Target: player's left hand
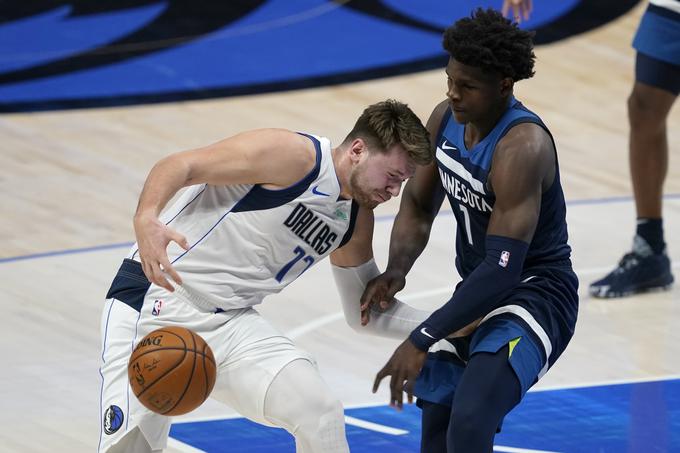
{"x": 404, "y": 367}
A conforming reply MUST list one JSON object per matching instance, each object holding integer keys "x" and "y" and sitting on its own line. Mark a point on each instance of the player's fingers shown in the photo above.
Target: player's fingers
{"x": 523, "y": 11}
{"x": 167, "y": 267}
{"x": 517, "y": 12}
{"x": 408, "y": 388}
{"x": 396, "y": 390}
{"x": 164, "y": 283}
{"x": 368, "y": 295}
{"x": 365, "y": 316}
{"x": 379, "y": 377}
{"x": 387, "y": 297}
{"x": 156, "y": 275}
{"x": 506, "y": 8}
{"x": 145, "y": 269}
{"x": 180, "y": 240}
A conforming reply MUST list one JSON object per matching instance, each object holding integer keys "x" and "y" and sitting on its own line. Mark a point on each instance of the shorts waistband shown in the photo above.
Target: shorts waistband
{"x": 133, "y": 270}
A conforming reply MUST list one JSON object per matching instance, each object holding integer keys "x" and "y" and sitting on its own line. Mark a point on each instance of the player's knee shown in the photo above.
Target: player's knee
{"x": 323, "y": 414}
{"x": 322, "y": 429}
{"x": 643, "y": 112}
{"x": 306, "y": 416}
{"x": 468, "y": 421}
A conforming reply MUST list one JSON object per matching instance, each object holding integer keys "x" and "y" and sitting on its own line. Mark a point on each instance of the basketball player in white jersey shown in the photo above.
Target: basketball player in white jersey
{"x": 262, "y": 207}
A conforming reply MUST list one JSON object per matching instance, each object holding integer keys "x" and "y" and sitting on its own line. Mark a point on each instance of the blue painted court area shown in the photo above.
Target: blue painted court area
{"x": 640, "y": 417}
{"x": 82, "y": 53}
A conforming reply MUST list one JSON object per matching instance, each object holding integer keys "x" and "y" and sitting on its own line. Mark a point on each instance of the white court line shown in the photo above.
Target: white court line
{"x": 519, "y": 450}
{"x": 641, "y": 380}
{"x": 327, "y": 319}
{"x": 374, "y": 426}
{"x": 181, "y": 446}
{"x": 314, "y": 324}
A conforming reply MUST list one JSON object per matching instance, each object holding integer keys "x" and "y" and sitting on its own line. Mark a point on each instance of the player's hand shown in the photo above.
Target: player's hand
{"x": 521, "y": 9}
{"x": 153, "y": 238}
{"x": 380, "y": 291}
{"x": 404, "y": 367}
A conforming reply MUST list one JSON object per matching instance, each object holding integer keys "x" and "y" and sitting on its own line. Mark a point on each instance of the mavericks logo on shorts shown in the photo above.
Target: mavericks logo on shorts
{"x": 113, "y": 419}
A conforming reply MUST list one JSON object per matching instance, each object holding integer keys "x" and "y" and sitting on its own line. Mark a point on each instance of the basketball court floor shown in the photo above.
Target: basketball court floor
{"x": 73, "y": 167}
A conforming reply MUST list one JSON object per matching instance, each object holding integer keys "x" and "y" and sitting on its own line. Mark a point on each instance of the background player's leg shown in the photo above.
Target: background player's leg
{"x": 301, "y": 402}
{"x": 648, "y": 109}
{"x": 435, "y": 422}
{"x": 488, "y": 390}
{"x": 647, "y": 266}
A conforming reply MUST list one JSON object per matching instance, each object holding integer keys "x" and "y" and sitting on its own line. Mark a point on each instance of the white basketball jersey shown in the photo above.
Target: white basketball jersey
{"x": 247, "y": 242}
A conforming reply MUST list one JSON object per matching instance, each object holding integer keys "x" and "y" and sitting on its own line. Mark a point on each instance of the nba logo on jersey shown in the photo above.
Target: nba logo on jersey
{"x": 505, "y": 257}
{"x": 157, "y": 304}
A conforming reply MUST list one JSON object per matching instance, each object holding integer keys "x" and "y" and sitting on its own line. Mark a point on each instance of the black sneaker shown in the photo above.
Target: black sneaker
{"x": 639, "y": 271}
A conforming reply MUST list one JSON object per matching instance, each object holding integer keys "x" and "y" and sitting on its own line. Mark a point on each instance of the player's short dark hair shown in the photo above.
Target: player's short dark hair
{"x": 387, "y": 123}
{"x": 489, "y": 41}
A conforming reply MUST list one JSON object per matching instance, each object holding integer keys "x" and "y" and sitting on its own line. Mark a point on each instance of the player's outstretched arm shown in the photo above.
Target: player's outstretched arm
{"x": 267, "y": 156}
{"x": 420, "y": 202}
{"x": 353, "y": 266}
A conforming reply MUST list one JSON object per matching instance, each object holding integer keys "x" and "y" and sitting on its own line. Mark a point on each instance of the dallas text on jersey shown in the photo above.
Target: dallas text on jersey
{"x": 311, "y": 229}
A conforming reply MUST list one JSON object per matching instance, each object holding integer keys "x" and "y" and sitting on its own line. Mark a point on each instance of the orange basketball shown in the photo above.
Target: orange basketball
{"x": 172, "y": 371}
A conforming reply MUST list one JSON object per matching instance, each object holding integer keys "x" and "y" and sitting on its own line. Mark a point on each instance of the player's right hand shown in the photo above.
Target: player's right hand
{"x": 380, "y": 292}
{"x": 153, "y": 238}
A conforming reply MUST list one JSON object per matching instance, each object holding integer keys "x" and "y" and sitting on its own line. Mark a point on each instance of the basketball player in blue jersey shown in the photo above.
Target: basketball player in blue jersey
{"x": 657, "y": 84}
{"x": 517, "y": 304}
{"x": 262, "y": 207}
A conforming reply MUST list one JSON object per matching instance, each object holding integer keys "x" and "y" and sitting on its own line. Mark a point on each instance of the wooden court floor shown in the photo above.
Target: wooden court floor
{"x": 71, "y": 179}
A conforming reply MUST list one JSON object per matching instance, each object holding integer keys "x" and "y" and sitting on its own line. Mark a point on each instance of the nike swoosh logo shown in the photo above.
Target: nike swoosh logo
{"x": 424, "y": 332}
{"x": 316, "y": 191}
{"x": 446, "y": 146}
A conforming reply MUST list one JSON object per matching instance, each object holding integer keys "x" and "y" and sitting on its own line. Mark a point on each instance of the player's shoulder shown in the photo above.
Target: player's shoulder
{"x": 526, "y": 151}
{"x": 295, "y": 148}
{"x": 290, "y": 155}
{"x": 526, "y": 139}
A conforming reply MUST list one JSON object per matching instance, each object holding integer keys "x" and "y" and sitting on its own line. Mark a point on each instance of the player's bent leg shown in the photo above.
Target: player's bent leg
{"x": 488, "y": 390}
{"x": 125, "y": 423}
{"x": 299, "y": 401}
{"x": 266, "y": 378}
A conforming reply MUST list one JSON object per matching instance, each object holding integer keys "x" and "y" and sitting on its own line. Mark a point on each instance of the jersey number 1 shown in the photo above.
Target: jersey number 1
{"x": 468, "y": 230}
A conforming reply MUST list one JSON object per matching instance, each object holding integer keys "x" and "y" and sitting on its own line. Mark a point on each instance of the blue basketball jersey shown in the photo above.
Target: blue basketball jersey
{"x": 538, "y": 316}
{"x": 464, "y": 175}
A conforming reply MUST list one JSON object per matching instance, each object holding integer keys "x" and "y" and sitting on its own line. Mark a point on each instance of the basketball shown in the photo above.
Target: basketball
{"x": 172, "y": 371}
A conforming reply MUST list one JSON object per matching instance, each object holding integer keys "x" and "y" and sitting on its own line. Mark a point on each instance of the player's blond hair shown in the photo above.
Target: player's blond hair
{"x": 388, "y": 123}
